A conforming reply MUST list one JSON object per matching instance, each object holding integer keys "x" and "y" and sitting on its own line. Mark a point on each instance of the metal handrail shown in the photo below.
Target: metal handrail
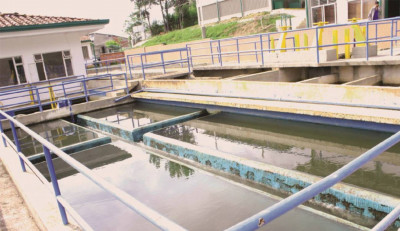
{"x": 264, "y": 217}
{"x": 152, "y": 216}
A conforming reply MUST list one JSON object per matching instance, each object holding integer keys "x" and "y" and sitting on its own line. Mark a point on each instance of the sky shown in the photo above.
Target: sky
{"x": 115, "y": 10}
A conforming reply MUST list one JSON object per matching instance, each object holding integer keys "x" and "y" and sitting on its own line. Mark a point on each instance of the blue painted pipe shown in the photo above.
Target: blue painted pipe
{"x": 291, "y": 202}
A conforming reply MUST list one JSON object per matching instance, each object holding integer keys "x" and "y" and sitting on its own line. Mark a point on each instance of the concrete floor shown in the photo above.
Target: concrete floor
{"x": 14, "y": 214}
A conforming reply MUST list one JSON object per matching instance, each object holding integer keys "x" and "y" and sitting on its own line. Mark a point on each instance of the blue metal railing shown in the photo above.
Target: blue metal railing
{"x": 146, "y": 212}
{"x": 264, "y": 217}
{"x": 260, "y": 40}
{"x": 39, "y": 95}
{"x": 143, "y": 64}
{"x": 106, "y": 66}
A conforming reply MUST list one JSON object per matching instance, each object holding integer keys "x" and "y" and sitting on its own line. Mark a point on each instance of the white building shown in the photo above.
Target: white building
{"x": 38, "y": 48}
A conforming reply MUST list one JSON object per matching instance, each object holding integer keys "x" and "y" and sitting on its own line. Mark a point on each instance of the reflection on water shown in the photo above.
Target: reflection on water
{"x": 135, "y": 115}
{"x": 192, "y": 198}
{"x": 310, "y": 148}
{"x": 59, "y": 132}
{"x": 174, "y": 169}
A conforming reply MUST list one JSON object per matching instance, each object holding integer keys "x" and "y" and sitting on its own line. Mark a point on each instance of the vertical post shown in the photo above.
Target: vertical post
{"x": 255, "y": 51}
{"x": 237, "y": 48}
{"x": 366, "y": 40}
{"x": 211, "y": 52}
{"x": 141, "y": 63}
{"x": 17, "y": 145}
{"x": 2, "y": 133}
{"x": 391, "y": 38}
{"x": 269, "y": 43}
{"x": 190, "y": 57}
{"x": 85, "y": 90}
{"x": 162, "y": 61}
{"x": 261, "y": 49}
{"x": 241, "y": 7}
{"x": 31, "y": 94}
{"x": 219, "y": 16}
{"x": 335, "y": 41}
{"x": 317, "y": 42}
{"x": 376, "y": 34}
{"x": 180, "y": 54}
{"x": 272, "y": 45}
{"x": 107, "y": 63}
{"x": 54, "y": 182}
{"x": 188, "y": 60}
{"x": 347, "y": 46}
{"x": 38, "y": 99}
{"x": 126, "y": 83}
{"x": 220, "y": 52}
{"x": 129, "y": 65}
{"x": 112, "y": 84}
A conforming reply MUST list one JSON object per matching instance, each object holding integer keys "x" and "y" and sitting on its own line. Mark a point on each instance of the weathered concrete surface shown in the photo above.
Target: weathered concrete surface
{"x": 352, "y": 199}
{"x": 14, "y": 214}
{"x": 268, "y": 76}
{"x": 368, "y": 81}
{"x": 330, "y": 111}
{"x": 37, "y": 196}
{"x": 300, "y": 56}
{"x": 322, "y": 93}
{"x": 227, "y": 72}
{"x": 360, "y": 52}
{"x": 326, "y": 79}
{"x": 47, "y": 115}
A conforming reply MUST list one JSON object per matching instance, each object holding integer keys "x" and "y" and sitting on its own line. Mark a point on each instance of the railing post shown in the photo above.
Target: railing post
{"x": 219, "y": 52}
{"x": 85, "y": 90}
{"x": 162, "y": 61}
{"x": 391, "y": 38}
{"x": 141, "y": 63}
{"x": 317, "y": 43}
{"x": 261, "y": 49}
{"x": 269, "y": 43}
{"x": 38, "y": 99}
{"x": 2, "y": 133}
{"x": 112, "y": 84}
{"x": 376, "y": 34}
{"x": 129, "y": 65}
{"x": 54, "y": 182}
{"x": 237, "y": 48}
{"x": 188, "y": 59}
{"x": 211, "y": 53}
{"x": 17, "y": 145}
{"x": 366, "y": 40}
{"x": 191, "y": 58}
{"x": 107, "y": 65}
{"x": 180, "y": 54}
{"x": 255, "y": 49}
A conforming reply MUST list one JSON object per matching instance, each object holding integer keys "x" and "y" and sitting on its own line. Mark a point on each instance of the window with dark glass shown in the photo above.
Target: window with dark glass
{"x": 12, "y": 71}
{"x": 53, "y": 65}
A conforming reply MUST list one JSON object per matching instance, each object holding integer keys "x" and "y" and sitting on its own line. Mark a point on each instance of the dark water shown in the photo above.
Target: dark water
{"x": 58, "y": 132}
{"x": 311, "y": 148}
{"x": 139, "y": 114}
{"x": 194, "y": 199}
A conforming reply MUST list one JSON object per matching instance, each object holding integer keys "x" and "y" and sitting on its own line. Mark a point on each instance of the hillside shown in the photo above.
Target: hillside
{"x": 251, "y": 24}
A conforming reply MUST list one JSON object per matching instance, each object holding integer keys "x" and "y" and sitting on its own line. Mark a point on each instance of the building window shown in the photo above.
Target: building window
{"x": 359, "y": 8}
{"x": 85, "y": 51}
{"x": 323, "y": 11}
{"x": 53, "y": 65}
{"x": 12, "y": 71}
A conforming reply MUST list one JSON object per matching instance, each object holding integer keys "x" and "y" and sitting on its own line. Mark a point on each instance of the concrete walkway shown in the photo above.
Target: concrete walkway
{"x": 14, "y": 215}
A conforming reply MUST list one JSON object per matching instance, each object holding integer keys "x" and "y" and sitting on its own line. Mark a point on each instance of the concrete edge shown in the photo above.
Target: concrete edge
{"x": 71, "y": 149}
{"x": 39, "y": 200}
{"x": 349, "y": 198}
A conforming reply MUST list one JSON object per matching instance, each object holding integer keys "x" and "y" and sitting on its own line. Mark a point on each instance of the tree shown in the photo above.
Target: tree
{"x": 165, "y": 5}
{"x": 113, "y": 45}
{"x": 179, "y": 10}
{"x": 129, "y": 26}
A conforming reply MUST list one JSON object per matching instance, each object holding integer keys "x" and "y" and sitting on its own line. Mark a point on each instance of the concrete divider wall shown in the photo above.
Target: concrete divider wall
{"x": 135, "y": 134}
{"x": 365, "y": 95}
{"x": 348, "y": 198}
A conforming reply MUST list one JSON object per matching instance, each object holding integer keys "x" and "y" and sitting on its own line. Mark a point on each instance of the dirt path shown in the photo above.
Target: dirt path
{"x": 14, "y": 215}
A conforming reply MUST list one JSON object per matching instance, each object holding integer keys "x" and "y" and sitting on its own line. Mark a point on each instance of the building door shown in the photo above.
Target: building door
{"x": 392, "y": 8}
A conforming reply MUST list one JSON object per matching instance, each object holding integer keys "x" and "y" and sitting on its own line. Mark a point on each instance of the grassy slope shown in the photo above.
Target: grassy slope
{"x": 217, "y": 31}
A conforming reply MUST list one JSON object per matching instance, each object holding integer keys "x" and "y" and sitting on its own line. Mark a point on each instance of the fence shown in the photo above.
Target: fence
{"x": 149, "y": 214}
{"x": 159, "y": 60}
{"x": 106, "y": 66}
{"x": 39, "y": 95}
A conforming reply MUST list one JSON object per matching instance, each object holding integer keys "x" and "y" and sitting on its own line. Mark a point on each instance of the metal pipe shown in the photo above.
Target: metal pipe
{"x": 264, "y": 217}
{"x": 2, "y": 132}
{"x": 82, "y": 223}
{"x": 366, "y": 40}
{"x": 17, "y": 144}
{"x": 146, "y": 212}
{"x": 388, "y": 220}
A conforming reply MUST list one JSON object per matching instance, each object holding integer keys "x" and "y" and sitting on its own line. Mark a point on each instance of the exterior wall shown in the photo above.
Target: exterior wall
{"x": 27, "y": 46}
{"x": 208, "y": 11}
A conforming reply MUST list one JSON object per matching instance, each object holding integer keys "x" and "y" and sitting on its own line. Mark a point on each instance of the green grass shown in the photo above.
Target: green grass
{"x": 222, "y": 30}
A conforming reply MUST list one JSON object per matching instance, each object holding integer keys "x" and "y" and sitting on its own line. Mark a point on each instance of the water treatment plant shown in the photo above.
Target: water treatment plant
{"x": 209, "y": 137}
